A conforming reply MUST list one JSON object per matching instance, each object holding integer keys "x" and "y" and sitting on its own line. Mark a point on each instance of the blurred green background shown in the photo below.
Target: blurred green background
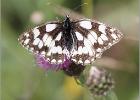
{"x": 23, "y": 80}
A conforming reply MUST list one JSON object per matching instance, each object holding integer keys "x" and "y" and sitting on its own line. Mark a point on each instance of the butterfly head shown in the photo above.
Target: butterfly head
{"x": 67, "y": 22}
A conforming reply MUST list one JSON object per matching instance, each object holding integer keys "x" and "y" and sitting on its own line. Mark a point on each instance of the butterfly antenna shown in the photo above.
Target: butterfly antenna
{"x": 80, "y": 6}
{"x": 83, "y": 4}
{"x": 57, "y": 7}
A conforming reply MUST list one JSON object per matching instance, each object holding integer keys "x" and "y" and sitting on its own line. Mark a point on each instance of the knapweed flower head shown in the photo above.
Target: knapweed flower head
{"x": 99, "y": 81}
{"x": 68, "y": 66}
{"x": 45, "y": 64}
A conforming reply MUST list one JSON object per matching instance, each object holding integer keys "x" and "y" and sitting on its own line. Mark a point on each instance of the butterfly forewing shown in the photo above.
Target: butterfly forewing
{"x": 93, "y": 38}
{"x": 45, "y": 40}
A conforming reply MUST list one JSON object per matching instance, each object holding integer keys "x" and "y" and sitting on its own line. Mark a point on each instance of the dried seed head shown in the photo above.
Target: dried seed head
{"x": 99, "y": 81}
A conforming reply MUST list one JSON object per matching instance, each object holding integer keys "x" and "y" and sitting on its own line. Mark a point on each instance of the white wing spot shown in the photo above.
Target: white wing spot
{"x": 80, "y": 50}
{"x": 88, "y": 45}
{"x": 36, "y": 32}
{"x": 59, "y": 50}
{"x": 93, "y": 59}
{"x": 26, "y": 41}
{"x": 43, "y": 53}
{"x": 100, "y": 41}
{"x": 94, "y": 34}
{"x": 74, "y": 52}
{"x": 104, "y": 37}
{"x": 58, "y": 36}
{"x": 53, "y": 61}
{"x": 109, "y": 44}
{"x": 112, "y": 30}
{"x": 36, "y": 41}
{"x": 40, "y": 45}
{"x": 99, "y": 50}
{"x": 119, "y": 35}
{"x": 45, "y": 37}
{"x": 52, "y": 44}
{"x": 80, "y": 61}
{"x": 98, "y": 55}
{"x": 102, "y": 28}
{"x": 74, "y": 60}
{"x": 50, "y": 27}
{"x": 54, "y": 50}
{"x": 26, "y": 34}
{"x": 87, "y": 62}
{"x": 91, "y": 38}
{"x": 65, "y": 51}
{"x": 48, "y": 59}
{"x": 48, "y": 41}
{"x": 114, "y": 36}
{"x": 86, "y": 24}
{"x": 79, "y": 36}
{"x": 49, "y": 53}
{"x": 59, "y": 61}
{"x": 85, "y": 50}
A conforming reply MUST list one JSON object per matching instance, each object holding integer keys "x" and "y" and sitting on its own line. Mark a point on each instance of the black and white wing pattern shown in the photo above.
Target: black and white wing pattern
{"x": 81, "y": 41}
{"x": 45, "y": 40}
{"x": 93, "y": 38}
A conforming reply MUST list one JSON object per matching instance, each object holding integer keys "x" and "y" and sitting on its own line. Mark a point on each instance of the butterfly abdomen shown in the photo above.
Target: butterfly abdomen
{"x": 67, "y": 34}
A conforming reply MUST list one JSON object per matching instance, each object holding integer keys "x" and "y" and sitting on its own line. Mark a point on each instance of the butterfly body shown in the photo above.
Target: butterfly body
{"x": 67, "y": 34}
{"x": 82, "y": 40}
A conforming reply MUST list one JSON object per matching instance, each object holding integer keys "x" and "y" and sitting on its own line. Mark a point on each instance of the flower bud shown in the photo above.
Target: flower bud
{"x": 99, "y": 81}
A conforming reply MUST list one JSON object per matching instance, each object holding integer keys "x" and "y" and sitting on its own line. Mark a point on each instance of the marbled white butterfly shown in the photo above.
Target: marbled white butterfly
{"x": 82, "y": 40}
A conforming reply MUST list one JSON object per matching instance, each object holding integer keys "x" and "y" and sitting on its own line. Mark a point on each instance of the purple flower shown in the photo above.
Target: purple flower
{"x": 45, "y": 64}
{"x": 68, "y": 66}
